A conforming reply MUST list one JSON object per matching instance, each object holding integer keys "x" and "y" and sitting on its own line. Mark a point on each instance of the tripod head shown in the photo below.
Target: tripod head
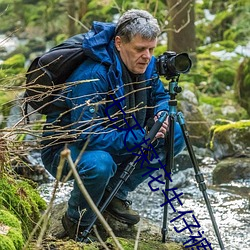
{"x": 174, "y": 89}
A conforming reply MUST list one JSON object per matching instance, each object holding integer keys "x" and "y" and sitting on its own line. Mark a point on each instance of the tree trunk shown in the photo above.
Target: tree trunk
{"x": 71, "y": 6}
{"x": 83, "y": 7}
{"x": 181, "y": 27}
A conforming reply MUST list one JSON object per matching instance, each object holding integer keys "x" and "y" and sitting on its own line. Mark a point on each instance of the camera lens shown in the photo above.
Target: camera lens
{"x": 182, "y": 63}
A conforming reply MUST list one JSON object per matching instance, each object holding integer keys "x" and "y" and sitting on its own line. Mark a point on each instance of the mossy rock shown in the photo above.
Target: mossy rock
{"x": 11, "y": 237}
{"x": 232, "y": 139}
{"x": 21, "y": 199}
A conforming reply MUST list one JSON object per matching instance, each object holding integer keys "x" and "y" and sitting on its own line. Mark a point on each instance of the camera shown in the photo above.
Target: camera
{"x": 171, "y": 65}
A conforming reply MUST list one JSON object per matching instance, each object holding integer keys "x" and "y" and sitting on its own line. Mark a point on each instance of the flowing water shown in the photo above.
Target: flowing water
{"x": 230, "y": 204}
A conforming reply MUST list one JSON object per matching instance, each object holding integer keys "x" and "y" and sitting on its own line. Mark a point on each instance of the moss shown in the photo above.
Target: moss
{"x": 21, "y": 199}
{"x": 13, "y": 239}
{"x": 220, "y": 131}
{"x": 16, "y": 61}
{"x": 16, "y": 237}
{"x": 242, "y": 84}
{"x": 9, "y": 219}
{"x": 225, "y": 75}
{"x": 235, "y": 125}
{"x": 128, "y": 244}
{"x": 214, "y": 101}
{"x": 6, "y": 243}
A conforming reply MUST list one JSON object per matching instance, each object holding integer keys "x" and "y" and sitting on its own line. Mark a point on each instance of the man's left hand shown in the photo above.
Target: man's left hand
{"x": 164, "y": 128}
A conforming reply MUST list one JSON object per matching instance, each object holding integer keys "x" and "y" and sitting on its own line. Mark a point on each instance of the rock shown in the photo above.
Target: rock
{"x": 232, "y": 139}
{"x": 231, "y": 169}
{"x": 150, "y": 235}
{"x": 197, "y": 125}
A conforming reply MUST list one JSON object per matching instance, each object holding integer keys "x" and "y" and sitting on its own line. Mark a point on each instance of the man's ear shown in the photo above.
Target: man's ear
{"x": 118, "y": 42}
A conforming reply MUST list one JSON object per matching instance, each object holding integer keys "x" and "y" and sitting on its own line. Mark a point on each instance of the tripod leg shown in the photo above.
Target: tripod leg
{"x": 170, "y": 163}
{"x": 199, "y": 176}
{"x": 125, "y": 175}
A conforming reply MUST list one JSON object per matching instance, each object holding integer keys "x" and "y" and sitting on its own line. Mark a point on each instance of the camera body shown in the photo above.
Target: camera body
{"x": 171, "y": 65}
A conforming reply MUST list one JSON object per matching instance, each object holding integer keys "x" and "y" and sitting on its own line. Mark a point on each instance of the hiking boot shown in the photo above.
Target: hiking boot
{"x": 121, "y": 211}
{"x": 75, "y": 231}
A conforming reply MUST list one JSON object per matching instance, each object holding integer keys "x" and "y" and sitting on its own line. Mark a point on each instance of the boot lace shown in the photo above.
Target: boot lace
{"x": 127, "y": 203}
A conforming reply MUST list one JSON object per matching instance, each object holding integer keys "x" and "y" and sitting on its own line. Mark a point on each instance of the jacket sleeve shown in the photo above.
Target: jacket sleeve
{"x": 89, "y": 122}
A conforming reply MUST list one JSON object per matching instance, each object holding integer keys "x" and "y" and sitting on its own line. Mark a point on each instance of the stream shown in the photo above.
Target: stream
{"x": 230, "y": 203}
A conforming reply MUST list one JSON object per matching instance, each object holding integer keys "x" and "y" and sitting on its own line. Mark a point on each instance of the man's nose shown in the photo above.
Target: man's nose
{"x": 146, "y": 54}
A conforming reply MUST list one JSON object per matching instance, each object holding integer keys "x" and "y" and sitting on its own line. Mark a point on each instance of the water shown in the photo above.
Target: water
{"x": 230, "y": 204}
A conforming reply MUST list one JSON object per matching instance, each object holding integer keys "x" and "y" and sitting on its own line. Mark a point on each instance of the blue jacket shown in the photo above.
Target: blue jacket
{"x": 87, "y": 116}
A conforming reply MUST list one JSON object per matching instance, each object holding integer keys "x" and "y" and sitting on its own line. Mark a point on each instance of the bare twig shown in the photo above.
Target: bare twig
{"x": 99, "y": 238}
{"x": 137, "y": 236}
{"x": 77, "y": 21}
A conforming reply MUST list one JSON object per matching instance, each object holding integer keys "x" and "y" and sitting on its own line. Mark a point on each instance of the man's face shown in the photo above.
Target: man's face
{"x": 137, "y": 53}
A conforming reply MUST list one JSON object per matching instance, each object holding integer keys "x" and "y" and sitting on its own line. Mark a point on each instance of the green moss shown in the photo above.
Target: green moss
{"x": 13, "y": 239}
{"x": 6, "y": 243}
{"x": 239, "y": 128}
{"x": 9, "y": 219}
{"x": 225, "y": 75}
{"x": 128, "y": 244}
{"x": 212, "y": 100}
{"x": 16, "y": 237}
{"x": 21, "y": 199}
{"x": 16, "y": 61}
{"x": 235, "y": 125}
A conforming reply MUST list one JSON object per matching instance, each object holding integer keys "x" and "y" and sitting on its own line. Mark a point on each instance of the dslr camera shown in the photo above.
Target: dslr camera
{"x": 171, "y": 65}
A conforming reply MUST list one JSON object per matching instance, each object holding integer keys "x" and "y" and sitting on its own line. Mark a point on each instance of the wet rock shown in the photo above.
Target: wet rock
{"x": 231, "y": 169}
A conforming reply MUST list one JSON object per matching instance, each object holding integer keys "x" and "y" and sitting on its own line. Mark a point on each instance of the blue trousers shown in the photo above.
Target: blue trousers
{"x": 99, "y": 170}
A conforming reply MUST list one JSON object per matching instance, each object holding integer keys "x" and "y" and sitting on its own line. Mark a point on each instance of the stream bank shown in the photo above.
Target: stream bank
{"x": 230, "y": 203}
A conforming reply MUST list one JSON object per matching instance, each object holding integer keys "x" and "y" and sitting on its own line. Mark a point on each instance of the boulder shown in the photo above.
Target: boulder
{"x": 231, "y": 139}
{"x": 149, "y": 238}
{"x": 231, "y": 169}
{"x": 230, "y": 143}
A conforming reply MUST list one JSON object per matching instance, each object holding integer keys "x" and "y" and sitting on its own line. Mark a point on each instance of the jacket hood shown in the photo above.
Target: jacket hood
{"x": 98, "y": 43}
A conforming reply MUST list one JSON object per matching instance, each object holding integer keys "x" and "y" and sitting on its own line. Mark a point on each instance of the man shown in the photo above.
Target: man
{"x": 124, "y": 91}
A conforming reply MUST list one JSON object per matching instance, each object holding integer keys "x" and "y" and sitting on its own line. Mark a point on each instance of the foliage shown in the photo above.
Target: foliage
{"x": 227, "y": 21}
{"x": 242, "y": 84}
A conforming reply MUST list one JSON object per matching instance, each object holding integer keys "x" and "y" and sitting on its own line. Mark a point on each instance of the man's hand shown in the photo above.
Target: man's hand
{"x": 164, "y": 128}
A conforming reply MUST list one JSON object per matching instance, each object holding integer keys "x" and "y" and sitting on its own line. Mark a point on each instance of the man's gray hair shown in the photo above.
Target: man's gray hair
{"x": 137, "y": 22}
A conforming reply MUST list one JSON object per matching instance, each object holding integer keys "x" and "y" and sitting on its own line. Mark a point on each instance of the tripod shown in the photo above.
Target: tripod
{"x": 173, "y": 90}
